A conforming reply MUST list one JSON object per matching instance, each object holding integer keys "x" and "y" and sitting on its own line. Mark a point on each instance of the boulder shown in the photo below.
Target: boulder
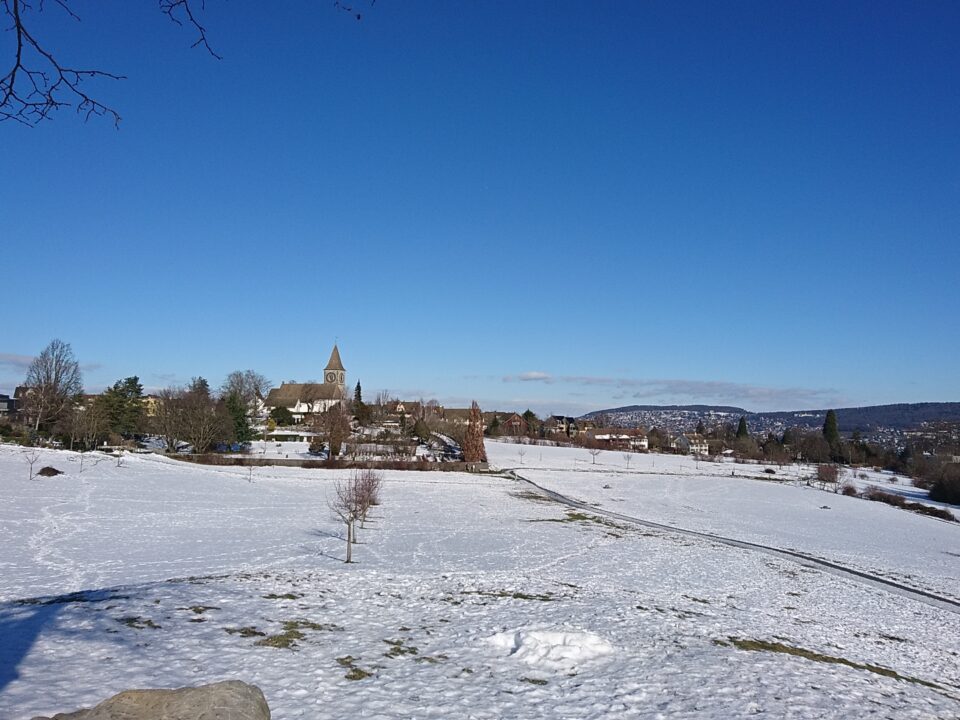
{"x": 228, "y": 700}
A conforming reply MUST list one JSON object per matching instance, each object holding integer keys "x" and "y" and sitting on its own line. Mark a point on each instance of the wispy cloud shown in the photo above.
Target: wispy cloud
{"x": 169, "y": 378}
{"x": 15, "y": 361}
{"x": 673, "y": 390}
{"x": 532, "y": 376}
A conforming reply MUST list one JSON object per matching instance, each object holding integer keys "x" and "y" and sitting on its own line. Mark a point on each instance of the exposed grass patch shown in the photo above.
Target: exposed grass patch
{"x": 543, "y": 597}
{"x": 139, "y": 623}
{"x": 894, "y": 638}
{"x": 399, "y": 649}
{"x": 575, "y": 516}
{"x": 533, "y": 681}
{"x": 534, "y": 496}
{"x": 356, "y": 673}
{"x": 431, "y": 659}
{"x": 77, "y": 597}
{"x": 285, "y": 596}
{"x": 776, "y": 647}
{"x": 293, "y": 631}
{"x": 249, "y": 631}
{"x": 199, "y": 609}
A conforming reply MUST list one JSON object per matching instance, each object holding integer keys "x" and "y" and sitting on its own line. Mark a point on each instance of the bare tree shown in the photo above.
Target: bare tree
{"x": 473, "y": 449}
{"x": 345, "y": 505}
{"x": 203, "y": 422}
{"x": 54, "y": 383}
{"x": 627, "y": 457}
{"x": 38, "y": 83}
{"x": 85, "y": 425}
{"x": 521, "y": 452}
{"x": 333, "y": 427}
{"x": 31, "y": 457}
{"x": 167, "y": 420}
{"x": 827, "y": 473}
{"x": 248, "y": 385}
{"x": 594, "y": 451}
{"x": 368, "y": 483}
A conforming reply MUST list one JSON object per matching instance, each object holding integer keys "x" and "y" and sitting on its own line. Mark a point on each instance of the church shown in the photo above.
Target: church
{"x": 303, "y": 399}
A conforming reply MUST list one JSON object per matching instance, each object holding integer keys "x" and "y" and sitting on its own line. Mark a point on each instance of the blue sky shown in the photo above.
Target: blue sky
{"x": 566, "y": 206}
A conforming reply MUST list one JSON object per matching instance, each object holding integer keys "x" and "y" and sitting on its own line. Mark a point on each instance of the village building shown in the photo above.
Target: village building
{"x": 303, "y": 399}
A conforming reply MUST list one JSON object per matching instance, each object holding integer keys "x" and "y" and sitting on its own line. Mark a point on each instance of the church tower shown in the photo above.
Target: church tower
{"x": 334, "y": 373}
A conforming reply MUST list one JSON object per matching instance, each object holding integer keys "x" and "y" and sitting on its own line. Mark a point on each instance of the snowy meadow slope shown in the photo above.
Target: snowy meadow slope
{"x": 472, "y": 596}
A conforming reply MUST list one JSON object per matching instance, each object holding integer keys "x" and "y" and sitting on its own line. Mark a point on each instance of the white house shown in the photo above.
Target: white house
{"x": 690, "y": 444}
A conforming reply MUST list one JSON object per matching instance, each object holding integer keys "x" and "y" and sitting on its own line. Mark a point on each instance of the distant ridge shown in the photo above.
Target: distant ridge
{"x": 900, "y": 416}
{"x": 682, "y": 408}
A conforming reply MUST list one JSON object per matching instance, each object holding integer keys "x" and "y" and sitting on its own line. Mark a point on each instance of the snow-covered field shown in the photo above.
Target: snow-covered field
{"x": 472, "y": 597}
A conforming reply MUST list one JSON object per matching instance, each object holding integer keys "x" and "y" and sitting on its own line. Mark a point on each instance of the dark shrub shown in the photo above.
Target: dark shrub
{"x": 770, "y": 471}
{"x": 849, "y": 490}
{"x": 49, "y": 471}
{"x": 827, "y": 473}
{"x": 936, "y": 512}
{"x": 947, "y": 487}
{"x": 878, "y": 495}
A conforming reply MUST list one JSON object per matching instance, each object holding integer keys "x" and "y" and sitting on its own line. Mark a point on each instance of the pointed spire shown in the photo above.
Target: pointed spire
{"x": 335, "y": 363}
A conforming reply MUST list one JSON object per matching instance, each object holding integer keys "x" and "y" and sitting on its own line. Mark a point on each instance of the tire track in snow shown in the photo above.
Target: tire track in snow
{"x": 866, "y": 578}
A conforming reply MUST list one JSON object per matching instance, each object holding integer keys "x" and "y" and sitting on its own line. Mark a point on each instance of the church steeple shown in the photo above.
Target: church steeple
{"x": 335, "y": 373}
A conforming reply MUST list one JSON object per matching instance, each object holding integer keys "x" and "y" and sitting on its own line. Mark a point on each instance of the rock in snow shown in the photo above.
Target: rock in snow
{"x": 226, "y": 700}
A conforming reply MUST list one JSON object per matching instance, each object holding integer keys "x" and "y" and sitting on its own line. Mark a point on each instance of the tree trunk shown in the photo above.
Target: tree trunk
{"x": 349, "y": 542}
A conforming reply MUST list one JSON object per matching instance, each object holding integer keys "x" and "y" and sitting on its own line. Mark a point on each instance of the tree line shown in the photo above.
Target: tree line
{"x": 54, "y": 407}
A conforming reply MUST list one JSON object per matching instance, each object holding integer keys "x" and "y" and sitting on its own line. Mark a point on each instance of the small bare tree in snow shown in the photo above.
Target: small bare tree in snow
{"x": 627, "y": 457}
{"x": 521, "y": 452}
{"x": 594, "y": 451}
{"x": 344, "y": 505}
{"x": 352, "y": 499}
{"x": 368, "y": 483}
{"x": 31, "y": 457}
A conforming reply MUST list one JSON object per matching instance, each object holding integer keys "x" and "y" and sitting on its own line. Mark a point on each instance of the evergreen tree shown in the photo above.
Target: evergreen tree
{"x": 742, "y": 431}
{"x": 236, "y": 409}
{"x": 533, "y": 422}
{"x": 421, "y": 430}
{"x": 282, "y": 416}
{"x": 831, "y": 431}
{"x": 701, "y": 430}
{"x": 123, "y": 406}
{"x": 360, "y": 410}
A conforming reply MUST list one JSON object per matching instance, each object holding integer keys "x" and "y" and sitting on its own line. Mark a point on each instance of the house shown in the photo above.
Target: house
{"x": 303, "y": 399}
{"x": 291, "y": 436}
{"x": 513, "y": 425}
{"x": 690, "y": 444}
{"x": 150, "y": 405}
{"x": 562, "y": 425}
{"x": 8, "y": 406}
{"x": 457, "y": 416}
{"x": 620, "y": 439}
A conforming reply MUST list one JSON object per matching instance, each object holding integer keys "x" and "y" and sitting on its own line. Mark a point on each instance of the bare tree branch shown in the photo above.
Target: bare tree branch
{"x": 175, "y": 9}
{"x": 37, "y": 83}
